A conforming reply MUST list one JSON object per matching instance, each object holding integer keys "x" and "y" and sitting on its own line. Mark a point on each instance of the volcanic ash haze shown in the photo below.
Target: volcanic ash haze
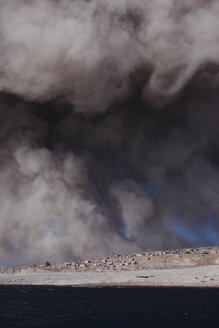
{"x": 109, "y": 127}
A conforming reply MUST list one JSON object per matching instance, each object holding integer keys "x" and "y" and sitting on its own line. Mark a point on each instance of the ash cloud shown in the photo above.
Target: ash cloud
{"x": 108, "y": 126}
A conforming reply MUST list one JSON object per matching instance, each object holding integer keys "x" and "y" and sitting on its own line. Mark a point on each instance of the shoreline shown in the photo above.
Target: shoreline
{"x": 192, "y": 267}
{"x": 203, "y": 276}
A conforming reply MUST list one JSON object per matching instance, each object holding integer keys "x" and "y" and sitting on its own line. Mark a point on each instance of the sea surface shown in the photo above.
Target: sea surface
{"x": 48, "y": 306}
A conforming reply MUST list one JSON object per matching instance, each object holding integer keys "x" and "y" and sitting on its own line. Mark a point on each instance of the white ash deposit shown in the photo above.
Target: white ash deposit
{"x": 186, "y": 267}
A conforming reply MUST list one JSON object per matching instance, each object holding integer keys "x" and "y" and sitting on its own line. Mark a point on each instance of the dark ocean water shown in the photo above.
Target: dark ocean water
{"x": 46, "y": 306}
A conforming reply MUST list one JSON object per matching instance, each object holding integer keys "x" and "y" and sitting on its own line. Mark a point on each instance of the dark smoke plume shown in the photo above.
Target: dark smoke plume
{"x": 109, "y": 127}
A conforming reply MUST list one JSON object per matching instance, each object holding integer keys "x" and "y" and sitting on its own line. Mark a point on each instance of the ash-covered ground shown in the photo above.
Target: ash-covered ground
{"x": 186, "y": 267}
{"x": 191, "y": 257}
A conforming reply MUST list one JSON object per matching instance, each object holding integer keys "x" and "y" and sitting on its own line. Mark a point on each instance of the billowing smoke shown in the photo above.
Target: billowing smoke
{"x": 109, "y": 127}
